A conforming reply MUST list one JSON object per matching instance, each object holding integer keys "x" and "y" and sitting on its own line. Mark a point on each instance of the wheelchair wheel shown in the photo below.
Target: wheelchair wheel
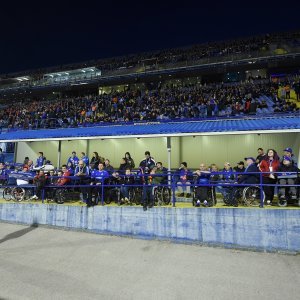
{"x": 282, "y": 202}
{"x": 18, "y": 193}
{"x": 166, "y": 195}
{"x": 251, "y": 196}
{"x": 138, "y": 194}
{"x": 7, "y": 193}
{"x": 131, "y": 195}
{"x": 157, "y": 196}
{"x": 60, "y": 196}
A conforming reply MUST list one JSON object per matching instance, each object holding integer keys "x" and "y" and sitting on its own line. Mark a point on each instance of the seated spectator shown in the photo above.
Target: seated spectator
{"x": 64, "y": 180}
{"x": 161, "y": 170}
{"x": 123, "y": 166}
{"x": 126, "y": 181}
{"x": 286, "y": 176}
{"x": 98, "y": 178}
{"x": 288, "y": 152}
{"x": 202, "y": 178}
{"x": 240, "y": 168}
{"x": 40, "y": 181}
{"x": 228, "y": 177}
{"x": 108, "y": 167}
{"x": 82, "y": 172}
{"x": 183, "y": 184}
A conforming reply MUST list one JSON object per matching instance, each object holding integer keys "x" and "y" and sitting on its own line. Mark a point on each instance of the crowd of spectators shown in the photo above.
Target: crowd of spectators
{"x": 191, "y": 101}
{"x": 247, "y": 45}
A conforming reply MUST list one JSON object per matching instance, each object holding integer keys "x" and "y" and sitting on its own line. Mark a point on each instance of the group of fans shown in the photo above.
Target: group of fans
{"x": 89, "y": 174}
{"x": 162, "y": 102}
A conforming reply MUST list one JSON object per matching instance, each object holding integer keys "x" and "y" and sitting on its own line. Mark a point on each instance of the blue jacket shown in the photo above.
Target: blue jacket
{"x": 250, "y": 178}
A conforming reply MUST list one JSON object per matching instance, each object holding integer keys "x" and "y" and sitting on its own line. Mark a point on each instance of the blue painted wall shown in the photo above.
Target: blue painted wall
{"x": 261, "y": 229}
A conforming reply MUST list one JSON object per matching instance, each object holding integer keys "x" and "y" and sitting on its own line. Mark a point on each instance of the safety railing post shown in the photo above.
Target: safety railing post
{"x": 261, "y": 190}
{"x": 173, "y": 191}
{"x": 102, "y": 190}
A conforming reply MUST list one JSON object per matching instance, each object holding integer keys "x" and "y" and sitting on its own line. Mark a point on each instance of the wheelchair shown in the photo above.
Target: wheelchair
{"x": 161, "y": 195}
{"x": 286, "y": 198}
{"x": 247, "y": 196}
{"x": 17, "y": 190}
{"x": 203, "y": 195}
{"x": 136, "y": 195}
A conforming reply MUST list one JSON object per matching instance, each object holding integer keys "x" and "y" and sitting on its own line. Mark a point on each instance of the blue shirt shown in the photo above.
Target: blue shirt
{"x": 2, "y": 158}
{"x": 86, "y": 160}
{"x": 40, "y": 161}
{"x": 98, "y": 176}
{"x": 74, "y": 161}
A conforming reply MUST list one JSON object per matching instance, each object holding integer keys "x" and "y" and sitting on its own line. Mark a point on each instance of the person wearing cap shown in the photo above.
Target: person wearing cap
{"x": 286, "y": 176}
{"x": 239, "y": 168}
{"x": 288, "y": 152}
{"x": 269, "y": 166}
{"x": 250, "y": 176}
{"x": 247, "y": 177}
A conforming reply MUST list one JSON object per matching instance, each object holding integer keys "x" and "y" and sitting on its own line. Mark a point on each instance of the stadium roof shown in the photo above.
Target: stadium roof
{"x": 157, "y": 129}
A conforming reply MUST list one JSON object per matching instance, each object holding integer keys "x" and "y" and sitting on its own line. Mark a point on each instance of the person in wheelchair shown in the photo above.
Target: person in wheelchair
{"x": 202, "y": 194}
{"x": 114, "y": 190}
{"x": 227, "y": 178}
{"x": 244, "y": 180}
{"x": 63, "y": 179}
{"x": 287, "y": 174}
{"x": 98, "y": 178}
{"x": 82, "y": 173}
{"x": 40, "y": 181}
{"x": 127, "y": 182}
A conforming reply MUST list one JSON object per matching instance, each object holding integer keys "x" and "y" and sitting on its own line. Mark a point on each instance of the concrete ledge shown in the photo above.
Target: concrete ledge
{"x": 258, "y": 229}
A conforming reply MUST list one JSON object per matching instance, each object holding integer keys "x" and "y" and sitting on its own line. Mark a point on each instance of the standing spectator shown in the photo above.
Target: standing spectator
{"x": 269, "y": 165}
{"x": 129, "y": 160}
{"x": 3, "y": 174}
{"x": 297, "y": 90}
{"x": 85, "y": 159}
{"x": 41, "y": 160}
{"x": 2, "y": 156}
{"x": 148, "y": 163}
{"x": 261, "y": 155}
{"x": 95, "y": 161}
{"x": 73, "y": 159}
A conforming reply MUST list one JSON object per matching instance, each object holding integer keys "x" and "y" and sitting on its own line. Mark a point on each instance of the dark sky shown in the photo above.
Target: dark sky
{"x": 51, "y": 34}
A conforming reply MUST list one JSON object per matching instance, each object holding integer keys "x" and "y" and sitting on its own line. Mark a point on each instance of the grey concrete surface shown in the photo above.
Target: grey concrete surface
{"x": 46, "y": 263}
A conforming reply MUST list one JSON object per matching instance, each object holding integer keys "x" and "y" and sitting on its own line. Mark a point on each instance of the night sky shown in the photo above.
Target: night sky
{"x": 53, "y": 34}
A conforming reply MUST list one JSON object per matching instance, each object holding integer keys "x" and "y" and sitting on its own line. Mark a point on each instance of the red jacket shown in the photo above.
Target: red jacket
{"x": 265, "y": 165}
{"x": 64, "y": 179}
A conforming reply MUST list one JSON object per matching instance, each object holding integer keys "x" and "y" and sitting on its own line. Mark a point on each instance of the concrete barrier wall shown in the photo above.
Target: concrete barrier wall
{"x": 260, "y": 229}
